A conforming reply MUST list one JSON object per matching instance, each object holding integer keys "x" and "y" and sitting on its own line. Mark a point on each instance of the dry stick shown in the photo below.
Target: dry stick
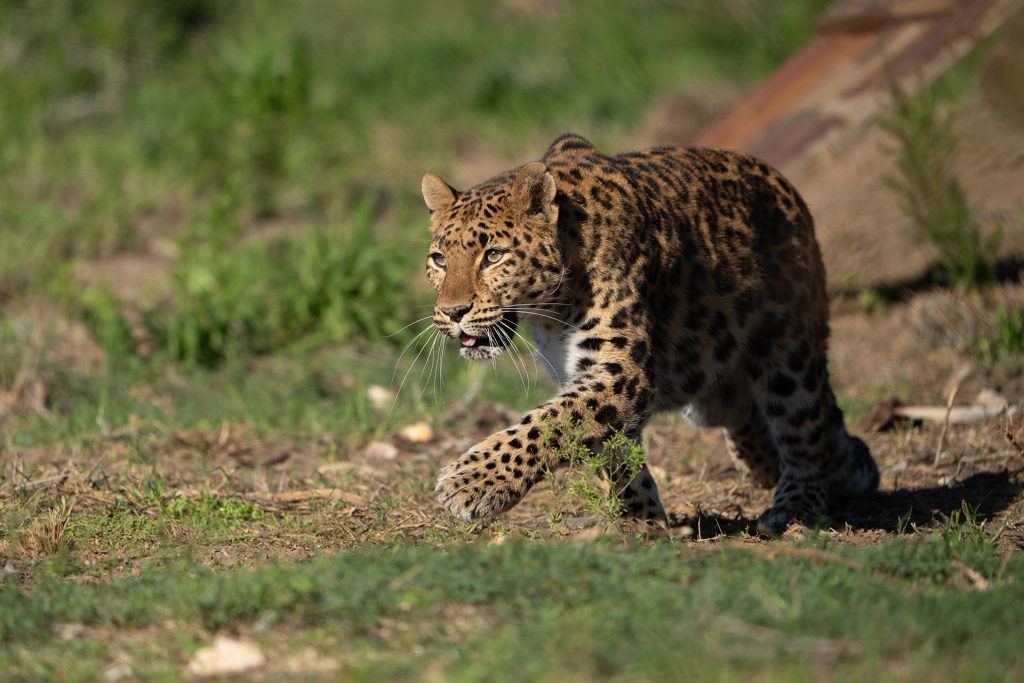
{"x": 960, "y": 377}
{"x": 1011, "y": 435}
{"x": 39, "y": 482}
{"x": 972, "y": 575}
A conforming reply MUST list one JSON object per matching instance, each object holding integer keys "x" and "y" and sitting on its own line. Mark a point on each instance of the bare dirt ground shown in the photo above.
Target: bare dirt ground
{"x": 346, "y": 494}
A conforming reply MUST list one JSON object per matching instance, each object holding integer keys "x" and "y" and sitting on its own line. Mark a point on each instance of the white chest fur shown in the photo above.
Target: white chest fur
{"x": 553, "y": 347}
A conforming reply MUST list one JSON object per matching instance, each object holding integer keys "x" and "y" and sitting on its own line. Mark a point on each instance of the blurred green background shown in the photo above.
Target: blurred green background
{"x": 190, "y": 190}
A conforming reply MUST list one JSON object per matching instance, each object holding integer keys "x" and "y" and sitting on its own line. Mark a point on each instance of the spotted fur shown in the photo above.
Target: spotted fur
{"x": 665, "y": 279}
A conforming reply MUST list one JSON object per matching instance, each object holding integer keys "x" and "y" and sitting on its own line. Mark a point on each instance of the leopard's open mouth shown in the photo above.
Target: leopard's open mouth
{"x": 490, "y": 344}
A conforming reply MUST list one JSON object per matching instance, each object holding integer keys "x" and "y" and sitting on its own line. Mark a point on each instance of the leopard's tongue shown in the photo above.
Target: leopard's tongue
{"x": 467, "y": 340}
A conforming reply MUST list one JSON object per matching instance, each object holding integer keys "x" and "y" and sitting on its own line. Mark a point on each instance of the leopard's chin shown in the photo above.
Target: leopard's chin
{"x": 480, "y": 352}
{"x": 489, "y": 345}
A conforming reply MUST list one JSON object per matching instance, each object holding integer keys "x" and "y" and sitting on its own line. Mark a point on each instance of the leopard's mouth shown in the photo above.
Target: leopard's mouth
{"x": 490, "y": 344}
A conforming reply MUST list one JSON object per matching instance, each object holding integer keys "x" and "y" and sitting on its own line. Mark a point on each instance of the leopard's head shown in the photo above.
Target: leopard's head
{"x": 494, "y": 251}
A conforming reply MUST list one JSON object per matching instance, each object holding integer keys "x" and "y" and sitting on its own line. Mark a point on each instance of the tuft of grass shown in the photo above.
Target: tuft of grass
{"x": 46, "y": 534}
{"x": 930, "y": 193}
{"x": 940, "y": 557}
{"x": 259, "y": 298}
{"x": 1003, "y": 341}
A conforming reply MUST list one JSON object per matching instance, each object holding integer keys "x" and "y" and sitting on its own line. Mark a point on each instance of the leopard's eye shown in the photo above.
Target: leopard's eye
{"x": 494, "y": 255}
{"x": 437, "y": 260}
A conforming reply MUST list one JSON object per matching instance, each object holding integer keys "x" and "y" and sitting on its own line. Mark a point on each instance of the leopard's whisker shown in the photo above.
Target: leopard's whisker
{"x": 536, "y": 352}
{"x": 440, "y": 373}
{"x": 549, "y": 317}
{"x": 507, "y": 329}
{"x": 536, "y": 304}
{"x": 427, "y": 365}
{"x": 405, "y": 377}
{"x": 561, "y": 279}
{"x": 404, "y": 350}
{"x": 426, "y": 317}
{"x": 508, "y": 345}
{"x": 514, "y": 334}
{"x": 513, "y": 355}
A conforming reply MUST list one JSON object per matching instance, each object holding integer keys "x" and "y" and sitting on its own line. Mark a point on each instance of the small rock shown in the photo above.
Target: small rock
{"x": 226, "y": 656}
{"x": 417, "y": 432}
{"x": 899, "y": 467}
{"x": 575, "y": 523}
{"x": 69, "y": 631}
{"x": 991, "y": 399}
{"x": 10, "y": 569}
{"x": 380, "y": 450}
{"x": 117, "y": 672}
{"x": 380, "y": 397}
{"x": 659, "y": 473}
{"x": 308, "y": 660}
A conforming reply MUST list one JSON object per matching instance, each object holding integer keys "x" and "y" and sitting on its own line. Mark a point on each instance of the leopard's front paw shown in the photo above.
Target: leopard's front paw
{"x": 474, "y": 488}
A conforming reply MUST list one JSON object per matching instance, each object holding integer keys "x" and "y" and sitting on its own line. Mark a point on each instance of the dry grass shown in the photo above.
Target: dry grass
{"x": 45, "y": 534}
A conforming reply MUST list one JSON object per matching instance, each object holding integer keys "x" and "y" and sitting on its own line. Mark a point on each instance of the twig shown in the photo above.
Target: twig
{"x": 1011, "y": 435}
{"x": 958, "y": 379}
{"x": 973, "y": 577}
{"x": 39, "y": 482}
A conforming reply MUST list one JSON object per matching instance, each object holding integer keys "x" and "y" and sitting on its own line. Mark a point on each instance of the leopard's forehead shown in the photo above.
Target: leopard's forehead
{"x": 480, "y": 215}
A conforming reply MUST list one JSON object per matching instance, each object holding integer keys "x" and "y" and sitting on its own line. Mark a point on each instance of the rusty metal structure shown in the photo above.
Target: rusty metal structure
{"x": 828, "y": 94}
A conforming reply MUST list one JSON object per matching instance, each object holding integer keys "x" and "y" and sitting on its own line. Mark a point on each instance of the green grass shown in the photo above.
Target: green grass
{"x": 897, "y": 611}
{"x": 1002, "y": 341}
{"x": 320, "y": 287}
{"x": 266, "y": 160}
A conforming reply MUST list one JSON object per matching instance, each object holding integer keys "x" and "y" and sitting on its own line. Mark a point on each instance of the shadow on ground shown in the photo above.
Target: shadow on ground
{"x": 1005, "y": 271}
{"x": 986, "y": 493}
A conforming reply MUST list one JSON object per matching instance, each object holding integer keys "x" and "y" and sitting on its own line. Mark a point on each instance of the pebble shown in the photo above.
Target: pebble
{"x": 226, "y": 656}
{"x": 417, "y": 432}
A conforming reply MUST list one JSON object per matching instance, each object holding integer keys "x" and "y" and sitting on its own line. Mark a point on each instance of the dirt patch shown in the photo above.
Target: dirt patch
{"x": 328, "y": 495}
{"x": 129, "y": 276}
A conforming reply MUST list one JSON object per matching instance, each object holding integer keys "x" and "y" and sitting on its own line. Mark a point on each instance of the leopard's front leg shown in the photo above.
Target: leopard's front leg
{"x": 495, "y": 474}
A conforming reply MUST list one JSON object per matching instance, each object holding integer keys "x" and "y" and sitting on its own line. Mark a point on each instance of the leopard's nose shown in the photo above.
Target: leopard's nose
{"x": 455, "y": 313}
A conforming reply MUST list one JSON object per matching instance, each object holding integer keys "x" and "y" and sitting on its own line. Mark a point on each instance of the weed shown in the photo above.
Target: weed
{"x": 930, "y": 192}
{"x": 595, "y": 478}
{"x": 871, "y": 302}
{"x": 260, "y": 298}
{"x": 46, "y": 536}
{"x": 1003, "y": 342}
{"x": 966, "y": 539}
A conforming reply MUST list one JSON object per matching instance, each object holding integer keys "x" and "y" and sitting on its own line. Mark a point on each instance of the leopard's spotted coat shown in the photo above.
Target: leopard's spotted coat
{"x": 666, "y": 279}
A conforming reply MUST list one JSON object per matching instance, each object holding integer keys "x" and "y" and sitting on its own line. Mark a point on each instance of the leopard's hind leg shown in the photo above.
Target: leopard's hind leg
{"x": 748, "y": 437}
{"x": 818, "y": 459}
{"x": 752, "y": 447}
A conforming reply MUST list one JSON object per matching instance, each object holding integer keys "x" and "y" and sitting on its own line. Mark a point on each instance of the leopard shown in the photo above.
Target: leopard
{"x": 669, "y": 279}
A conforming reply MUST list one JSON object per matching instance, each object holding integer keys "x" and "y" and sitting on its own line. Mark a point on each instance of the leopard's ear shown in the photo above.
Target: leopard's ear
{"x": 437, "y": 194}
{"x": 533, "y": 191}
